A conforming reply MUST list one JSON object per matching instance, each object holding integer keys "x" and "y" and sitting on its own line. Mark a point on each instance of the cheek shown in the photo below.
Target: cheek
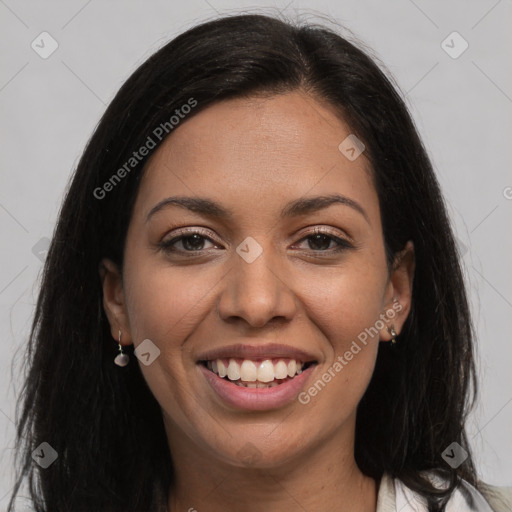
{"x": 165, "y": 305}
{"x": 165, "y": 302}
{"x": 346, "y": 308}
{"x": 346, "y": 302}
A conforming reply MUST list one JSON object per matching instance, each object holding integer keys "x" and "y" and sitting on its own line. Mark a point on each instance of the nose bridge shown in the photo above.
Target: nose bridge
{"x": 254, "y": 289}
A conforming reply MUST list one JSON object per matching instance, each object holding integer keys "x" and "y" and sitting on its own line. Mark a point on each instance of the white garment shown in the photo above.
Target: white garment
{"x": 394, "y": 496}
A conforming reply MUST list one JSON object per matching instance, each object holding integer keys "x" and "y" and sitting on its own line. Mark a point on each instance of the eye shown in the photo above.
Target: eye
{"x": 191, "y": 241}
{"x": 320, "y": 241}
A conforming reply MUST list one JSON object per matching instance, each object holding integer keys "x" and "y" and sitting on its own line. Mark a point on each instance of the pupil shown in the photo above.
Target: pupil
{"x": 315, "y": 240}
{"x": 196, "y": 243}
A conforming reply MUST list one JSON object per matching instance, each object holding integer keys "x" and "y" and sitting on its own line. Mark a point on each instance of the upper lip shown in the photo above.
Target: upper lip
{"x": 248, "y": 351}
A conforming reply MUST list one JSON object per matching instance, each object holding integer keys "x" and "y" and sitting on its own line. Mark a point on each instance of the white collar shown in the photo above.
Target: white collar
{"x": 394, "y": 496}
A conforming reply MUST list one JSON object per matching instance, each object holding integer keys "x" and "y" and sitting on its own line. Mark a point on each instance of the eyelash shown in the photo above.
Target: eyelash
{"x": 167, "y": 246}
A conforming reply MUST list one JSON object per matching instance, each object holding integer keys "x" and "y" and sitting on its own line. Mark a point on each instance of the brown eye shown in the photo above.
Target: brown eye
{"x": 320, "y": 241}
{"x": 191, "y": 241}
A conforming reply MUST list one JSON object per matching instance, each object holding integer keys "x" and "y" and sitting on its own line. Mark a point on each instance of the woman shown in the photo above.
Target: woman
{"x": 252, "y": 299}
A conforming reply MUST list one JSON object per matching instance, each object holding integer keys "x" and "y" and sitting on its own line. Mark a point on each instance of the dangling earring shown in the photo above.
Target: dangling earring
{"x": 121, "y": 359}
{"x": 393, "y": 335}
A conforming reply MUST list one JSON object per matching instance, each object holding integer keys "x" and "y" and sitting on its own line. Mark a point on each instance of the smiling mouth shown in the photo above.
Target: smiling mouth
{"x": 261, "y": 373}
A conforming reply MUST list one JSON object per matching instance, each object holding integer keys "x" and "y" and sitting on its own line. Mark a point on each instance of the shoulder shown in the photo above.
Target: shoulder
{"x": 500, "y": 498}
{"x": 394, "y": 495}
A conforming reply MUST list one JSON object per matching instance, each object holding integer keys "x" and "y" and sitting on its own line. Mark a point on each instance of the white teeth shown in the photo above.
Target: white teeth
{"x": 292, "y": 368}
{"x": 233, "y": 370}
{"x": 248, "y": 371}
{"x": 257, "y": 384}
{"x": 266, "y": 371}
{"x": 281, "y": 370}
{"x": 253, "y": 373}
{"x": 222, "y": 370}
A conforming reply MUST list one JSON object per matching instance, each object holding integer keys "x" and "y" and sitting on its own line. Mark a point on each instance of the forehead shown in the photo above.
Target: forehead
{"x": 260, "y": 151}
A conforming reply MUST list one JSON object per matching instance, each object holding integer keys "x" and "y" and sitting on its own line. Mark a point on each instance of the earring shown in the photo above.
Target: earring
{"x": 393, "y": 335}
{"x": 121, "y": 359}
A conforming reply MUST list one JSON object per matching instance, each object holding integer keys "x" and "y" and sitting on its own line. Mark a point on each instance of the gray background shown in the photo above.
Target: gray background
{"x": 462, "y": 107}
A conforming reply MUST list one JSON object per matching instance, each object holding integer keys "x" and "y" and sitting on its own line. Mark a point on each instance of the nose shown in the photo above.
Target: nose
{"x": 258, "y": 292}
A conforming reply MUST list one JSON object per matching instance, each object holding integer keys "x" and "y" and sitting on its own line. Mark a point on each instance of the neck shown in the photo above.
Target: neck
{"x": 326, "y": 477}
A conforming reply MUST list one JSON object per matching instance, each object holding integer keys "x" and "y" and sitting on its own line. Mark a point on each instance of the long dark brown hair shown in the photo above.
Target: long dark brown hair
{"x": 102, "y": 420}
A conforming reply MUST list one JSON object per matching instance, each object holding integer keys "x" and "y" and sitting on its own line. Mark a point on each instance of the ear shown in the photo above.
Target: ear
{"x": 114, "y": 302}
{"x": 398, "y": 296}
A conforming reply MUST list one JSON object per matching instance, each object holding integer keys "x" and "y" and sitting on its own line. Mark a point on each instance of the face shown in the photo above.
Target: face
{"x": 260, "y": 279}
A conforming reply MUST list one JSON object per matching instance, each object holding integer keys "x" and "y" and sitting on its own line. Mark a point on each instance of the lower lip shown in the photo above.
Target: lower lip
{"x": 256, "y": 399}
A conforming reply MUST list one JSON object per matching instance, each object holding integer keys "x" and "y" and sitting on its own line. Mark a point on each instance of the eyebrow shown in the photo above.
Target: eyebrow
{"x": 302, "y": 206}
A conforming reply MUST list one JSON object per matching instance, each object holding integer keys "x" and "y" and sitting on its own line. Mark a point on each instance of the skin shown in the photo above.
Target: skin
{"x": 253, "y": 156}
